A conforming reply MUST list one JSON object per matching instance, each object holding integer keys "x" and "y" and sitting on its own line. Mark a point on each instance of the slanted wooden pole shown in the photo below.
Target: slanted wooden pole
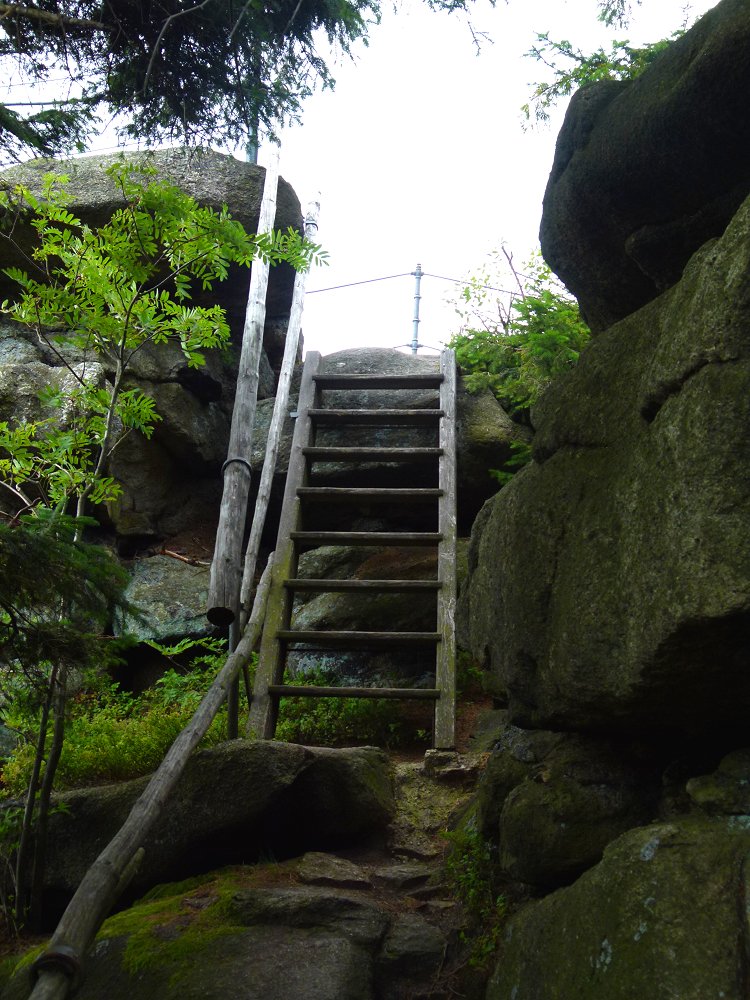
{"x": 60, "y": 967}
{"x": 279, "y": 412}
{"x": 224, "y": 584}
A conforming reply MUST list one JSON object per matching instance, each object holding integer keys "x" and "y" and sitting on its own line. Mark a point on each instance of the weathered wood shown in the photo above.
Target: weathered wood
{"x": 263, "y": 710}
{"x": 98, "y": 890}
{"x": 321, "y": 454}
{"x": 377, "y": 418}
{"x": 307, "y": 691}
{"x": 279, "y": 636}
{"x": 342, "y": 494}
{"x": 312, "y": 539}
{"x": 225, "y": 579}
{"x": 354, "y": 381}
{"x": 445, "y": 677}
{"x": 358, "y": 640}
{"x": 291, "y": 346}
{"x": 340, "y": 586}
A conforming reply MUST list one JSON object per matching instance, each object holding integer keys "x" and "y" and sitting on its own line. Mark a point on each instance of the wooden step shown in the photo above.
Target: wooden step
{"x": 372, "y": 454}
{"x": 342, "y": 494}
{"x": 426, "y": 381}
{"x": 341, "y": 586}
{"x": 376, "y": 418}
{"x": 357, "y": 640}
{"x": 313, "y": 539}
{"x": 309, "y": 691}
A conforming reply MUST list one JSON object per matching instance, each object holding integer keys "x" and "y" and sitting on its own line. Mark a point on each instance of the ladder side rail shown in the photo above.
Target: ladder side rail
{"x": 264, "y": 708}
{"x": 445, "y": 674}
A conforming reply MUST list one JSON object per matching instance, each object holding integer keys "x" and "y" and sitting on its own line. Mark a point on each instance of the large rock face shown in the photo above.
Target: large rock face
{"x": 213, "y": 179}
{"x": 317, "y": 928}
{"x": 233, "y": 802}
{"x": 662, "y": 916}
{"x": 170, "y": 483}
{"x": 647, "y": 170}
{"x": 551, "y": 802}
{"x": 610, "y": 581}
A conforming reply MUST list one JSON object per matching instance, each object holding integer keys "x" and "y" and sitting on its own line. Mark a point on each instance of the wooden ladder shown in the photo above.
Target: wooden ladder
{"x": 278, "y": 635}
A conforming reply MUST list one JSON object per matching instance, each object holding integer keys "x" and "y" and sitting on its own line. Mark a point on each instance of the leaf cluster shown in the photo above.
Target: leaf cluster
{"x": 517, "y": 342}
{"x": 129, "y": 281}
{"x": 201, "y": 72}
{"x": 105, "y": 294}
{"x": 621, "y": 62}
{"x": 334, "y": 721}
{"x": 110, "y": 736}
{"x": 470, "y": 871}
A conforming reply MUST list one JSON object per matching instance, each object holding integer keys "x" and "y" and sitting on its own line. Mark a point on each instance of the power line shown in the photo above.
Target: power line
{"x": 406, "y": 274}
{"x": 464, "y": 281}
{"x": 351, "y": 284}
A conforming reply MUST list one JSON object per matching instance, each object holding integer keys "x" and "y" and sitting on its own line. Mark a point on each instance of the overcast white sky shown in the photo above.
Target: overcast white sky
{"x": 420, "y": 157}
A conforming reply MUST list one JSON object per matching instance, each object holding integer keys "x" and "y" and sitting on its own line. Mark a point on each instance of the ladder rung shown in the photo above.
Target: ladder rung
{"x": 312, "y": 539}
{"x": 339, "y": 494}
{"x": 340, "y": 586}
{"x": 371, "y": 454}
{"x": 426, "y": 381}
{"x": 358, "y": 640}
{"x": 308, "y": 691}
{"x": 376, "y": 418}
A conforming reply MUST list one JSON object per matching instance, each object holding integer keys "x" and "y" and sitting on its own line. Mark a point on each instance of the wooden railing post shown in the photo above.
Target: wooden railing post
{"x": 280, "y": 405}
{"x": 224, "y": 584}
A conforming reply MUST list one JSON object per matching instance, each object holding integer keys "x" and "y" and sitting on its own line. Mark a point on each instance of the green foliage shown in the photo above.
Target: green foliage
{"x": 205, "y": 73}
{"x": 202, "y": 73}
{"x": 469, "y": 675}
{"x": 57, "y": 595}
{"x": 516, "y": 342}
{"x": 112, "y": 735}
{"x": 572, "y": 68}
{"x": 521, "y": 456}
{"x": 11, "y": 823}
{"x": 109, "y": 293}
{"x": 59, "y": 127}
{"x": 471, "y": 873}
{"x": 105, "y": 294}
{"x": 622, "y": 62}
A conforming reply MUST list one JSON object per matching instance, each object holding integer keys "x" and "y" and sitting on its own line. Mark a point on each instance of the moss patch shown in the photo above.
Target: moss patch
{"x": 173, "y": 926}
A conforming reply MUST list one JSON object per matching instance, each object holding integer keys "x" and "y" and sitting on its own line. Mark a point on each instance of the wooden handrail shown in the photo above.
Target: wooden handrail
{"x": 61, "y": 964}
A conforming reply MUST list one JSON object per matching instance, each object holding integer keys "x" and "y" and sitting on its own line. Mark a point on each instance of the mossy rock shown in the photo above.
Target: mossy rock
{"x": 658, "y": 918}
{"x": 610, "y": 580}
{"x": 254, "y": 933}
{"x": 232, "y": 804}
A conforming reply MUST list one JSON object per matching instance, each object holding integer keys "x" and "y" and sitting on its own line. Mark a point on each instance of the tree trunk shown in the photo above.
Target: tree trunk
{"x": 23, "y": 872}
{"x": 59, "y": 701}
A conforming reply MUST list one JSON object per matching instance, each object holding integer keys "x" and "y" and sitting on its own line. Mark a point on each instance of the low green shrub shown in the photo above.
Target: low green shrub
{"x": 470, "y": 871}
{"x": 112, "y": 735}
